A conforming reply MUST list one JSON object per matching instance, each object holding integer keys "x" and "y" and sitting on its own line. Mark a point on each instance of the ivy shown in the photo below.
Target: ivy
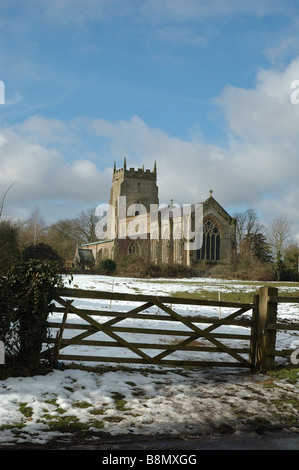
{"x": 8, "y": 317}
{"x": 26, "y": 299}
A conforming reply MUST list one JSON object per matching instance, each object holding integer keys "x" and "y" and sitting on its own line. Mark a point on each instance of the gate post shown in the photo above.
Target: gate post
{"x": 253, "y": 335}
{"x": 266, "y": 338}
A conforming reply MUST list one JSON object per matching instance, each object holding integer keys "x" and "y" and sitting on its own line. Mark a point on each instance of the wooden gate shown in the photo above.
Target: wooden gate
{"x": 153, "y": 330}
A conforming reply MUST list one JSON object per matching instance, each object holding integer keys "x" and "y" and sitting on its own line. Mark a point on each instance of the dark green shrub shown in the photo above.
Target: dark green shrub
{"x": 41, "y": 251}
{"x": 26, "y": 299}
{"x": 107, "y": 266}
{"x": 155, "y": 270}
{"x": 9, "y": 252}
{"x": 8, "y": 318}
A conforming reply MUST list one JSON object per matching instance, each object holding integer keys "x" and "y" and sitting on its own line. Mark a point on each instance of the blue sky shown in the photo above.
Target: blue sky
{"x": 201, "y": 87}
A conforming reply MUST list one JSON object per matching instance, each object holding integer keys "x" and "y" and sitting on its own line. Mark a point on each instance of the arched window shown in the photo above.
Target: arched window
{"x": 210, "y": 249}
{"x": 134, "y": 249}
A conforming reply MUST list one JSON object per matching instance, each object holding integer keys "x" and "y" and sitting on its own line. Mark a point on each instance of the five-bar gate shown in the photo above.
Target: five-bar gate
{"x": 164, "y": 330}
{"x": 153, "y": 337}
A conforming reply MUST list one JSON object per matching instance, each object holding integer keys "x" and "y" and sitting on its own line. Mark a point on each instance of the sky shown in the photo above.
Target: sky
{"x": 202, "y": 88}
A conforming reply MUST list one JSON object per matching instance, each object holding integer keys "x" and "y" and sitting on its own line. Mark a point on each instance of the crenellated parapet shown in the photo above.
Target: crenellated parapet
{"x": 132, "y": 173}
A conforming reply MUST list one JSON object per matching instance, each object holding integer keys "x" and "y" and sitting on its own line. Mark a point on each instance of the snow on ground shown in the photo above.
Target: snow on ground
{"x": 143, "y": 402}
{"x": 166, "y": 287}
{"x": 149, "y": 400}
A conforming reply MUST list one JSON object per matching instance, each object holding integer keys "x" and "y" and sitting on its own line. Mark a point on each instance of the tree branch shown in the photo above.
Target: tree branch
{"x": 3, "y": 199}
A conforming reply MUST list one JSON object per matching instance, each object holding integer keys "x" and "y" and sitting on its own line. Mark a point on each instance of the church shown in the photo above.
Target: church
{"x": 134, "y": 223}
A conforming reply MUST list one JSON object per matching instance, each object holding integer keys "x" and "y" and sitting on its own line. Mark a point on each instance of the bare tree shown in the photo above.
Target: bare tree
{"x": 34, "y": 229}
{"x": 247, "y": 226}
{"x": 64, "y": 237}
{"x": 86, "y": 225}
{"x": 3, "y": 199}
{"x": 279, "y": 235}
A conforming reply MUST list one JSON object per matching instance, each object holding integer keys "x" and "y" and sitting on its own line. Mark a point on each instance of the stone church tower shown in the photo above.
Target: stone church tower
{"x": 139, "y": 186}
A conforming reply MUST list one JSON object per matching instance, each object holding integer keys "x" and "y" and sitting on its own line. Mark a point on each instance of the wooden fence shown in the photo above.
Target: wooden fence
{"x": 172, "y": 329}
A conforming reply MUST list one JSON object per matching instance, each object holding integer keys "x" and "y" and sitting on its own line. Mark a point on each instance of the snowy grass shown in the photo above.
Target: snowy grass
{"x": 92, "y": 405}
{"x": 238, "y": 291}
{"x": 88, "y": 404}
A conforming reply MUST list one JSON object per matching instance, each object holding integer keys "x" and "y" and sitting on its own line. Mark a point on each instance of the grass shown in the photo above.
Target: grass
{"x": 120, "y": 402}
{"x": 82, "y": 404}
{"x": 228, "y": 293}
{"x": 242, "y": 297}
{"x": 26, "y": 410}
{"x": 66, "y": 424}
{"x": 228, "y": 290}
{"x": 289, "y": 374}
{"x": 13, "y": 426}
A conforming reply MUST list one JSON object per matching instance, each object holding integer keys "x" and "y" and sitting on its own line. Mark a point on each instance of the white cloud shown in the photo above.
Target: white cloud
{"x": 265, "y": 112}
{"x": 256, "y": 168}
{"x": 43, "y": 176}
{"x": 288, "y": 45}
{"x": 263, "y": 125}
{"x": 45, "y": 130}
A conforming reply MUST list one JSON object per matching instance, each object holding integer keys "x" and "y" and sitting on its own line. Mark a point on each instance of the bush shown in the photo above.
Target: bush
{"x": 177, "y": 270}
{"x": 106, "y": 266}
{"x": 136, "y": 266}
{"x": 132, "y": 266}
{"x": 26, "y": 297}
{"x": 288, "y": 274}
{"x": 41, "y": 251}
{"x": 9, "y": 252}
{"x": 8, "y": 317}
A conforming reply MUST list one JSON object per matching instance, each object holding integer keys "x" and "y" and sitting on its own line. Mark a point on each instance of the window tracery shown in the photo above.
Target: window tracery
{"x": 134, "y": 249}
{"x": 210, "y": 249}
